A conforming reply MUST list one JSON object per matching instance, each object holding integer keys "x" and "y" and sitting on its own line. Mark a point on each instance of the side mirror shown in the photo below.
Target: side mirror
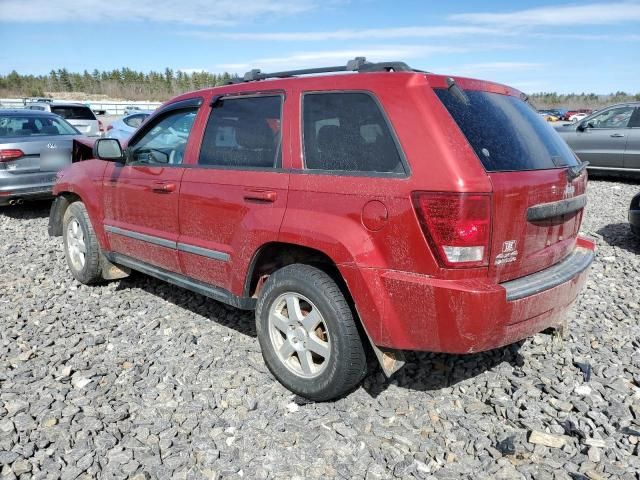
{"x": 582, "y": 126}
{"x": 108, "y": 149}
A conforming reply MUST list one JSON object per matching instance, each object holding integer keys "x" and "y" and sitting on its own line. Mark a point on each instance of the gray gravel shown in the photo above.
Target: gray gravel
{"x": 143, "y": 380}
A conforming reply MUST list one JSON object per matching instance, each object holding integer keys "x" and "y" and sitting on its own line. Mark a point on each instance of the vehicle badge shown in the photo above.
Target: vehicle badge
{"x": 509, "y": 252}
{"x": 569, "y": 190}
{"x": 509, "y": 246}
{"x": 51, "y": 145}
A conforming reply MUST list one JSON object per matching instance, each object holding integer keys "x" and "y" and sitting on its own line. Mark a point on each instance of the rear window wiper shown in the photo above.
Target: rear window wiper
{"x": 576, "y": 170}
{"x": 457, "y": 92}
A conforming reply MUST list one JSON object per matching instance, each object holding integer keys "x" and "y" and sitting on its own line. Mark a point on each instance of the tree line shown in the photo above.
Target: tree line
{"x": 124, "y": 83}
{"x": 130, "y": 84}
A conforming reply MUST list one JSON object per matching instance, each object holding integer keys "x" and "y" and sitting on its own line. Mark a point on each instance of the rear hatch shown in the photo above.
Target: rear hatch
{"x": 80, "y": 117}
{"x": 536, "y": 205}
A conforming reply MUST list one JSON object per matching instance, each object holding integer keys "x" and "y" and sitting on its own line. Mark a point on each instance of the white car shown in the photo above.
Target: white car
{"x": 576, "y": 117}
{"x": 77, "y": 114}
{"x": 122, "y": 129}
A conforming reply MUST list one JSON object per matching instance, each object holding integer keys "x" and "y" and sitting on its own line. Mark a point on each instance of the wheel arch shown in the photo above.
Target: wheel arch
{"x": 58, "y": 209}
{"x": 274, "y": 255}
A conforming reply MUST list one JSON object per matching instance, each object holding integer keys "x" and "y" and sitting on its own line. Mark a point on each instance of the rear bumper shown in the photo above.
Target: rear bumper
{"x": 417, "y": 312}
{"x": 27, "y": 186}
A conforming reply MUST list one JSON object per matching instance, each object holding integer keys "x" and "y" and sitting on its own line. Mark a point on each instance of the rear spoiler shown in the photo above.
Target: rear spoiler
{"x": 82, "y": 149}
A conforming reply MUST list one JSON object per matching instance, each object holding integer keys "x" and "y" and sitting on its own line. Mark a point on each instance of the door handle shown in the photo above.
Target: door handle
{"x": 617, "y": 135}
{"x": 162, "y": 187}
{"x": 266, "y": 196}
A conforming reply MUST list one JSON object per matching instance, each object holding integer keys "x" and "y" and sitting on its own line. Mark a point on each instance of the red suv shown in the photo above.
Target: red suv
{"x": 384, "y": 206}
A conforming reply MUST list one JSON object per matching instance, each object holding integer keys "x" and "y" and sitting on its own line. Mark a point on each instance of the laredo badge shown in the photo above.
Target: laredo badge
{"x": 509, "y": 252}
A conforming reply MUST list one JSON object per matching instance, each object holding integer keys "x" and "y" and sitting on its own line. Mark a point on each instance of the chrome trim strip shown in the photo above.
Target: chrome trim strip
{"x": 205, "y": 252}
{"x": 183, "y": 247}
{"x": 561, "y": 272}
{"x": 141, "y": 236}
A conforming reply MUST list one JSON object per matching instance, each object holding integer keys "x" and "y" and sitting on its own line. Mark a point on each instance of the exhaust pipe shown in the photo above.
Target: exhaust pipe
{"x": 12, "y": 202}
{"x": 16, "y": 201}
{"x": 19, "y": 201}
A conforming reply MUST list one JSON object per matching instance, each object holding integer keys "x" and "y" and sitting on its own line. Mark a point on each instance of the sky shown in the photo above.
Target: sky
{"x": 549, "y": 45}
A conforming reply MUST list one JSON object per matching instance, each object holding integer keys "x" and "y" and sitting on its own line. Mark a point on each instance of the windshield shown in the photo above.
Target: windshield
{"x": 33, "y": 125}
{"x": 505, "y": 132}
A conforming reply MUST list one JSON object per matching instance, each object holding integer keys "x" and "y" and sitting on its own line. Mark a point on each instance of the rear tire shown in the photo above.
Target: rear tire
{"x": 81, "y": 247}
{"x": 316, "y": 352}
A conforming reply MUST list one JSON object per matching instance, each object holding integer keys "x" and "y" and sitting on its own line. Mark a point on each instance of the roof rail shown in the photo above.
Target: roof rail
{"x": 358, "y": 64}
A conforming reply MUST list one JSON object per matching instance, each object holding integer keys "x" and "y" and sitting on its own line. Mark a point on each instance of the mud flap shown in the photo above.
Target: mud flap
{"x": 390, "y": 360}
{"x": 111, "y": 271}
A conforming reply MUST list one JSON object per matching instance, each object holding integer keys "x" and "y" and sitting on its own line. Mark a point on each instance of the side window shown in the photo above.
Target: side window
{"x": 166, "y": 141}
{"x": 243, "y": 133}
{"x": 617, "y": 117}
{"x": 347, "y": 132}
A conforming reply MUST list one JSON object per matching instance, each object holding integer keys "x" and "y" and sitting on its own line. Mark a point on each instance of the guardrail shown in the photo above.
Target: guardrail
{"x": 109, "y": 108}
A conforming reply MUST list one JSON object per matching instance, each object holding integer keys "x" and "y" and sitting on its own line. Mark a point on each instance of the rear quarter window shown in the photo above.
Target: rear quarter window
{"x": 348, "y": 132}
{"x": 505, "y": 132}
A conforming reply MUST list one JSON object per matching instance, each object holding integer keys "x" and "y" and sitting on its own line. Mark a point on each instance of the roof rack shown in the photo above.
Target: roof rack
{"x": 358, "y": 64}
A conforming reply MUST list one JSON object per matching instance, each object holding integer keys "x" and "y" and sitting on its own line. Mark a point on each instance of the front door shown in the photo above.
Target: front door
{"x": 632, "y": 153}
{"x": 141, "y": 196}
{"x": 234, "y": 198}
{"x": 602, "y": 143}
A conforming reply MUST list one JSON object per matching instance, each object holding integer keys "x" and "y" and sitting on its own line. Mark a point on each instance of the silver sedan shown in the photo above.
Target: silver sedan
{"x": 34, "y": 145}
{"x": 608, "y": 139}
{"x": 122, "y": 129}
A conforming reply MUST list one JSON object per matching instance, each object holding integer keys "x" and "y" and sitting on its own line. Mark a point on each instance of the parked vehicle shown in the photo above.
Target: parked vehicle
{"x": 576, "y": 117}
{"x": 548, "y": 115}
{"x": 78, "y": 115}
{"x": 387, "y": 205}
{"x": 634, "y": 215}
{"x": 123, "y": 128}
{"x": 569, "y": 113}
{"x": 33, "y": 147}
{"x": 131, "y": 109}
{"x": 608, "y": 139}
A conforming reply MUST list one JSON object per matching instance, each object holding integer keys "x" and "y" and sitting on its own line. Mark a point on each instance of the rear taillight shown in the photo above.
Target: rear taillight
{"x": 10, "y": 154}
{"x": 100, "y": 126}
{"x": 457, "y": 225}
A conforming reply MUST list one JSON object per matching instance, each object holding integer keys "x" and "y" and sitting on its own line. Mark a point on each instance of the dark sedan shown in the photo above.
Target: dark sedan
{"x": 34, "y": 145}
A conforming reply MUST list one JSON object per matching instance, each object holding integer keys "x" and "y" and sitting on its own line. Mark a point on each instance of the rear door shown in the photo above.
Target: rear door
{"x": 141, "y": 196}
{"x": 536, "y": 206}
{"x": 632, "y": 152}
{"x": 603, "y": 142}
{"x": 234, "y": 199}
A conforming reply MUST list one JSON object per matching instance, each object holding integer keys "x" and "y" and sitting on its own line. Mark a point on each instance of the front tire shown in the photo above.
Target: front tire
{"x": 81, "y": 247}
{"x": 307, "y": 333}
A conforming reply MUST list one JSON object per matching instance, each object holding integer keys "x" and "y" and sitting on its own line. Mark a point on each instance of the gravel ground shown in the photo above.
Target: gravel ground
{"x": 141, "y": 379}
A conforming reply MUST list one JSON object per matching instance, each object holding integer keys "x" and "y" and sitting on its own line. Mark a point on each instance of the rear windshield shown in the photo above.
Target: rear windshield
{"x": 32, "y": 125}
{"x": 505, "y": 132}
{"x": 73, "y": 112}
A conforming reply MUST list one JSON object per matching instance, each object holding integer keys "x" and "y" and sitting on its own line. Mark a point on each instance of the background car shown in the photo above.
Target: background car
{"x": 131, "y": 109}
{"x": 34, "y": 145}
{"x": 576, "y": 117}
{"x": 78, "y": 115}
{"x": 122, "y": 129}
{"x": 608, "y": 139}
